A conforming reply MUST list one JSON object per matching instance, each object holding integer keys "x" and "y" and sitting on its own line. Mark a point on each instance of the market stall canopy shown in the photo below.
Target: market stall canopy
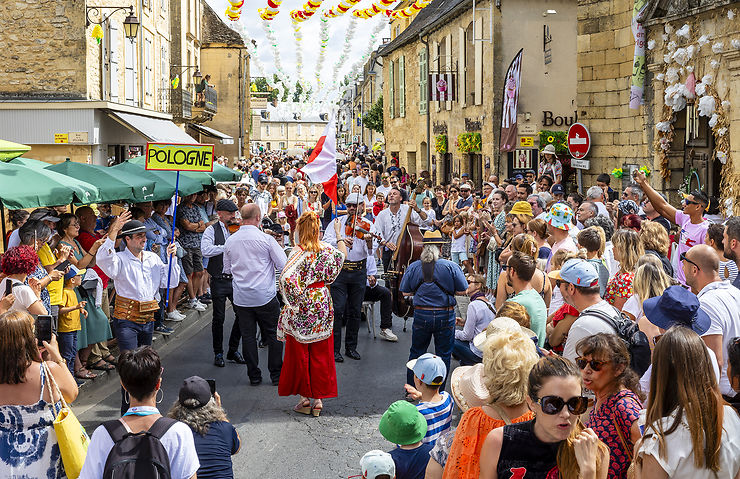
{"x": 10, "y": 150}
{"x": 205, "y": 179}
{"x": 153, "y": 129}
{"x": 165, "y": 180}
{"x": 111, "y": 185}
{"x": 27, "y": 187}
{"x": 222, "y": 173}
{"x": 224, "y": 138}
{"x": 30, "y": 162}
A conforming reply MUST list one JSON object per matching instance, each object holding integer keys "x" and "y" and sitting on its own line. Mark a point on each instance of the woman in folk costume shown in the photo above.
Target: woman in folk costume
{"x": 307, "y": 319}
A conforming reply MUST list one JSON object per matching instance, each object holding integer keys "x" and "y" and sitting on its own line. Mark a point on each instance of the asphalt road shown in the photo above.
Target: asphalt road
{"x": 277, "y": 442}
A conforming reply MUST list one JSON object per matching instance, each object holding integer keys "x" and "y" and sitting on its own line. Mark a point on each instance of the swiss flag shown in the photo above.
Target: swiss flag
{"x": 322, "y": 165}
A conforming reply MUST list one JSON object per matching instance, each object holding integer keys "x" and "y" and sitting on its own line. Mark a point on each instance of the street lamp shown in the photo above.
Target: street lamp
{"x": 130, "y": 24}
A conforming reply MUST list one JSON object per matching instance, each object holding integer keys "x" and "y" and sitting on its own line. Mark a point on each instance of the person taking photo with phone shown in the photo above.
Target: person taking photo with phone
{"x": 17, "y": 264}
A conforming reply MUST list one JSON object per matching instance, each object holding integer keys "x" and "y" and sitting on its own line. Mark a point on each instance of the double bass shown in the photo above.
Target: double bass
{"x": 408, "y": 250}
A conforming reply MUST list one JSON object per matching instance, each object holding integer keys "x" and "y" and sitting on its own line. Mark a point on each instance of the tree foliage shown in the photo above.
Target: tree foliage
{"x": 373, "y": 119}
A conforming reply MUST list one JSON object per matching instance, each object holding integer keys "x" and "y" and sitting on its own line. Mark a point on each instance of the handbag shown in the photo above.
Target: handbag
{"x": 71, "y": 436}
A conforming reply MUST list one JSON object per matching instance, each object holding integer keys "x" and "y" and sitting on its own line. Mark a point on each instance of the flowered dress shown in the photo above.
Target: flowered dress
{"x": 493, "y": 269}
{"x": 619, "y": 410}
{"x": 28, "y": 443}
{"x": 620, "y": 286}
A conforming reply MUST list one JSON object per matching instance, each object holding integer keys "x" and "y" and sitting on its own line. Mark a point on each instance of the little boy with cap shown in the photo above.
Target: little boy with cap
{"x": 403, "y": 424}
{"x": 69, "y": 321}
{"x": 436, "y": 407}
{"x": 377, "y": 465}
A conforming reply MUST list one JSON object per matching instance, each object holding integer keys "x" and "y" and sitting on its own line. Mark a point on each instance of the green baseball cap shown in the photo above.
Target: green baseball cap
{"x": 403, "y": 424}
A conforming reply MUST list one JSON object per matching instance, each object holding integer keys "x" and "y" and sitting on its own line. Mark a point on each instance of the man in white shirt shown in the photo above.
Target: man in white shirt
{"x": 389, "y": 222}
{"x": 578, "y": 281}
{"x": 137, "y": 276}
{"x": 362, "y": 180}
{"x": 348, "y": 290}
{"x": 719, "y": 299}
{"x": 385, "y": 185}
{"x": 251, "y": 258}
{"x": 596, "y": 195}
{"x": 212, "y": 245}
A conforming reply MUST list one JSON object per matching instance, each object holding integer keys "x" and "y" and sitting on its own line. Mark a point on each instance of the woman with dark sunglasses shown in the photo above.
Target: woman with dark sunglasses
{"x": 555, "y": 443}
{"x": 605, "y": 365}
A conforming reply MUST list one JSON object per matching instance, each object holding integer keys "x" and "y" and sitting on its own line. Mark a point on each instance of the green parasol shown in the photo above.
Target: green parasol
{"x": 10, "y": 150}
{"x": 29, "y": 162}
{"x": 205, "y": 179}
{"x": 27, "y": 187}
{"x": 165, "y": 180}
{"x": 113, "y": 185}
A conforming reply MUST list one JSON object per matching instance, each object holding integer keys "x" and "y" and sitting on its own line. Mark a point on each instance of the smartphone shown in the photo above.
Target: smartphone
{"x": 43, "y": 328}
{"x": 8, "y": 286}
{"x": 63, "y": 265}
{"x": 212, "y": 384}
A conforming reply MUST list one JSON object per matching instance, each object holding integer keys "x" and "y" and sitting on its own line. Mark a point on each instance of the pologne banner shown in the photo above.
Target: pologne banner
{"x": 179, "y": 157}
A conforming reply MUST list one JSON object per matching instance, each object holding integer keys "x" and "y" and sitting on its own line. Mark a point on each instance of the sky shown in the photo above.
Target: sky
{"x": 282, "y": 26}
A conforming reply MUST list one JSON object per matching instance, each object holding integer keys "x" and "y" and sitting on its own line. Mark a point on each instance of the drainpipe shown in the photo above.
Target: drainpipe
{"x": 140, "y": 72}
{"x": 242, "y": 75}
{"x": 429, "y": 110}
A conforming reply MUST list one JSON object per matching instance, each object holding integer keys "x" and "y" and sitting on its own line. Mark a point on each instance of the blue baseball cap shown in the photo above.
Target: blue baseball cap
{"x": 676, "y": 306}
{"x": 427, "y": 368}
{"x": 519, "y": 176}
{"x": 74, "y": 271}
{"x": 557, "y": 189}
{"x": 578, "y": 272}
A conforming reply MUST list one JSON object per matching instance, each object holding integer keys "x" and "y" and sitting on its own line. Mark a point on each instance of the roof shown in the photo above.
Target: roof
{"x": 435, "y": 13}
{"x": 215, "y": 30}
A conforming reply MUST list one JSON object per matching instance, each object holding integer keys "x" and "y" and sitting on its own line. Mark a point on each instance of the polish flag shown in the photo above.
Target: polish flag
{"x": 322, "y": 165}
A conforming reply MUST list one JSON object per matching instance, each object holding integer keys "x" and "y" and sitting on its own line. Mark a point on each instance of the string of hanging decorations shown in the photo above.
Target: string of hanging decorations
{"x": 309, "y": 8}
{"x": 234, "y": 10}
{"x": 273, "y": 8}
{"x": 343, "y": 7}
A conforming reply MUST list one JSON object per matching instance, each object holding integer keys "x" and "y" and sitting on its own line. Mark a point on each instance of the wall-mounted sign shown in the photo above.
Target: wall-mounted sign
{"x": 78, "y": 137}
{"x": 61, "y": 138}
{"x": 179, "y": 157}
{"x": 528, "y": 128}
{"x": 439, "y": 128}
{"x": 580, "y": 164}
{"x": 526, "y": 142}
{"x": 472, "y": 125}
{"x": 550, "y": 119}
{"x": 579, "y": 140}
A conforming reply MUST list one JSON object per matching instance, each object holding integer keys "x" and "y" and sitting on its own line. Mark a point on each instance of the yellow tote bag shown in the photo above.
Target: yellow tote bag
{"x": 71, "y": 436}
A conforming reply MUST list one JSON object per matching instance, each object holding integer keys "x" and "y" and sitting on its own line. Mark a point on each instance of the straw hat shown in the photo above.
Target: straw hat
{"x": 433, "y": 237}
{"x": 468, "y": 388}
{"x": 501, "y": 323}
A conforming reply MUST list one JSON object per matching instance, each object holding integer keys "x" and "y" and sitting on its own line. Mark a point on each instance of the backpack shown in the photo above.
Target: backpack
{"x": 637, "y": 341}
{"x": 138, "y": 455}
{"x": 427, "y": 271}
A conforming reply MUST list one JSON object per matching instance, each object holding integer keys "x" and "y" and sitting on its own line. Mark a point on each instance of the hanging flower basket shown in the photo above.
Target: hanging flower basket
{"x": 440, "y": 144}
{"x": 469, "y": 142}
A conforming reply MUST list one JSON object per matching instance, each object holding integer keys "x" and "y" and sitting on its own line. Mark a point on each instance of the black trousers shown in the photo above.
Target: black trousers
{"x": 267, "y": 317}
{"x": 382, "y": 294}
{"x": 347, "y": 293}
{"x": 221, "y": 290}
{"x": 386, "y": 258}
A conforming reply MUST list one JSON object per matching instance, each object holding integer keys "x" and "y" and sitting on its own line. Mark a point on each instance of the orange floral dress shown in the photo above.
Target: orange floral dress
{"x": 464, "y": 459}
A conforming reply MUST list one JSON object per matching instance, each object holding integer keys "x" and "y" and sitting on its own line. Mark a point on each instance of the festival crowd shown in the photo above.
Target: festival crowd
{"x": 600, "y": 336}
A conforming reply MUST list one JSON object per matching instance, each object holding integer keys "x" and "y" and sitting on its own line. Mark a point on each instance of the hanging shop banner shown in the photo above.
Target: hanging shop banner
{"x": 179, "y": 157}
{"x": 638, "y": 64}
{"x": 442, "y": 87}
{"x": 510, "y": 101}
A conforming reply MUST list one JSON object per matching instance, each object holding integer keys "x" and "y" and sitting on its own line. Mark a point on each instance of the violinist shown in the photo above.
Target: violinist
{"x": 389, "y": 222}
{"x": 348, "y": 290}
{"x": 212, "y": 246}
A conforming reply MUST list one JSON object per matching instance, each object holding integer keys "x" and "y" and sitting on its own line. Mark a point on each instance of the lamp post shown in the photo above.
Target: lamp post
{"x": 130, "y": 24}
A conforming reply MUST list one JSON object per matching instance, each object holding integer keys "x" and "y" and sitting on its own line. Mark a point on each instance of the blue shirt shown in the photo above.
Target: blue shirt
{"x": 215, "y": 450}
{"x": 463, "y": 203}
{"x": 410, "y": 463}
{"x": 446, "y": 273}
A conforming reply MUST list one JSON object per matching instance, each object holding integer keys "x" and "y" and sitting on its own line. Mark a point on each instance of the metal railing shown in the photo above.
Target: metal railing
{"x": 208, "y": 101}
{"x": 177, "y": 102}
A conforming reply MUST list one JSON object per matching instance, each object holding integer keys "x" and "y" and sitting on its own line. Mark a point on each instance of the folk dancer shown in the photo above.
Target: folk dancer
{"x": 251, "y": 258}
{"x": 137, "y": 277}
{"x": 389, "y": 222}
{"x": 212, "y": 246}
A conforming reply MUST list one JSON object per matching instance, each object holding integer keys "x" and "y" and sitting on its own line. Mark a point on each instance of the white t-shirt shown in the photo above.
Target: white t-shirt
{"x": 611, "y": 264}
{"x": 721, "y": 301}
{"x": 601, "y": 208}
{"x": 383, "y": 189}
{"x": 24, "y": 295}
{"x": 587, "y": 325}
{"x": 177, "y": 441}
{"x": 679, "y": 460}
{"x": 645, "y": 379}
{"x": 15, "y": 239}
{"x": 458, "y": 244}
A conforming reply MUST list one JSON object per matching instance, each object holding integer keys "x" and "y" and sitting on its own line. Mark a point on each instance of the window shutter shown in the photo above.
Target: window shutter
{"x": 478, "y": 65}
{"x": 148, "y": 66}
{"x": 391, "y": 90}
{"x": 130, "y": 80}
{"x": 423, "y": 83}
{"x": 448, "y": 60}
{"x": 115, "y": 59}
{"x": 461, "y": 66}
{"x": 401, "y": 87}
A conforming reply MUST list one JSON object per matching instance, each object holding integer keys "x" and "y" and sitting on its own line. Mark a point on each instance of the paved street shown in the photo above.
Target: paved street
{"x": 276, "y": 442}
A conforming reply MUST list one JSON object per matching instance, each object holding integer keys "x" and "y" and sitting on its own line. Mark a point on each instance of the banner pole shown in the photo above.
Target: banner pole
{"x": 172, "y": 240}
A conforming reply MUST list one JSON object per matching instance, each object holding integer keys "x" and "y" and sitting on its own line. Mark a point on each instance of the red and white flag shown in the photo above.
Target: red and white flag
{"x": 322, "y": 165}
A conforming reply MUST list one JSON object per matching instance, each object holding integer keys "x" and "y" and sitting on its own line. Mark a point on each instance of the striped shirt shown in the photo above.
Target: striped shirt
{"x": 438, "y": 416}
{"x": 728, "y": 270}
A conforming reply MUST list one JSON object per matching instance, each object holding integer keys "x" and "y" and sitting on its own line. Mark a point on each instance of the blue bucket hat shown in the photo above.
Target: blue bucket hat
{"x": 560, "y": 216}
{"x": 676, "y": 306}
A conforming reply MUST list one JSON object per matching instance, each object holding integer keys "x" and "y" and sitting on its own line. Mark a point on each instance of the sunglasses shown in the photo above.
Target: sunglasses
{"x": 595, "y": 365}
{"x": 689, "y": 202}
{"x": 683, "y": 257}
{"x": 552, "y": 405}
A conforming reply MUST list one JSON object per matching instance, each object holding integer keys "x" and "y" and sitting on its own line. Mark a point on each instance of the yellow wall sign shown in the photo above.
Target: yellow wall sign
{"x": 61, "y": 138}
{"x": 179, "y": 157}
{"x": 526, "y": 141}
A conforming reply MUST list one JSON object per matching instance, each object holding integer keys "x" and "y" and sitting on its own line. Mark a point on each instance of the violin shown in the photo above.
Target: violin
{"x": 233, "y": 226}
{"x": 357, "y": 227}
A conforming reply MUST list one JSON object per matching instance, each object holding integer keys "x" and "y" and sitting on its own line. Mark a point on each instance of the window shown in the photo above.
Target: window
{"x": 392, "y": 90}
{"x": 298, "y": 129}
{"x": 423, "y": 81}
{"x": 267, "y": 130}
{"x": 282, "y": 145}
{"x": 401, "y": 87}
{"x": 468, "y": 83}
{"x": 282, "y": 129}
{"x": 148, "y": 77}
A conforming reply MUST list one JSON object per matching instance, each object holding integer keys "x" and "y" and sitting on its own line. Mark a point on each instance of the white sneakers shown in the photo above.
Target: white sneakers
{"x": 175, "y": 316}
{"x": 196, "y": 305}
{"x": 388, "y": 335}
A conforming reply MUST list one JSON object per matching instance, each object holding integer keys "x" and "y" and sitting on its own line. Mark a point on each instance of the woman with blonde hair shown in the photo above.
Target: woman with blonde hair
{"x": 627, "y": 251}
{"x": 650, "y": 281}
{"x": 508, "y": 357}
{"x": 527, "y": 245}
{"x": 515, "y": 311}
{"x": 306, "y": 322}
{"x": 690, "y": 432}
{"x": 655, "y": 241}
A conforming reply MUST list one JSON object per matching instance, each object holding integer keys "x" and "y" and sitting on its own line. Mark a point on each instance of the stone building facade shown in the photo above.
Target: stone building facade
{"x": 287, "y": 131}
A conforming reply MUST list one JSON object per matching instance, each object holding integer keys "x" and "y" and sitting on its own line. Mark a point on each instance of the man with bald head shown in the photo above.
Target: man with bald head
{"x": 251, "y": 257}
{"x": 719, "y": 299}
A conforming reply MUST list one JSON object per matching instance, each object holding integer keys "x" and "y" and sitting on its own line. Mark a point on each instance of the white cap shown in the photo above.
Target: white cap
{"x": 375, "y": 463}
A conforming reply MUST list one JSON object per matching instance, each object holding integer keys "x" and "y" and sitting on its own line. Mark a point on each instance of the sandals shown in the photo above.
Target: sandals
{"x": 85, "y": 374}
{"x": 102, "y": 365}
{"x": 110, "y": 359}
{"x": 316, "y": 409}
{"x": 303, "y": 407}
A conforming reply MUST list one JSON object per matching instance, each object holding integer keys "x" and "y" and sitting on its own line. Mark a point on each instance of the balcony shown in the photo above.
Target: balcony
{"x": 205, "y": 106}
{"x": 177, "y": 102}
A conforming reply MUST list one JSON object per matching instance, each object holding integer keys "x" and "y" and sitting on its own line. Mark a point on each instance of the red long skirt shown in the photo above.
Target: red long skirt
{"x": 308, "y": 369}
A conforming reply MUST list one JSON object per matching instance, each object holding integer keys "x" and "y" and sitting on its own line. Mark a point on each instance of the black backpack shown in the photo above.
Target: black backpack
{"x": 637, "y": 341}
{"x": 138, "y": 455}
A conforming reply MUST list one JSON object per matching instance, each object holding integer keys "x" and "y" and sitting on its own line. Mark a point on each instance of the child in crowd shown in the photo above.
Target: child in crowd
{"x": 69, "y": 317}
{"x": 283, "y": 221}
{"x": 593, "y": 240}
{"x": 460, "y": 244}
{"x": 403, "y": 424}
{"x": 379, "y": 204}
{"x": 377, "y": 465}
{"x": 436, "y": 407}
{"x": 431, "y": 216}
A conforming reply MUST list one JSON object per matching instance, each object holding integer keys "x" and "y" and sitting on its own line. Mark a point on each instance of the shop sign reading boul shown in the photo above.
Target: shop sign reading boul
{"x": 550, "y": 119}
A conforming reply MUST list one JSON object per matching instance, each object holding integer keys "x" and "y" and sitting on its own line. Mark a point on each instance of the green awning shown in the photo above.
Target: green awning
{"x": 205, "y": 179}
{"x": 30, "y": 162}
{"x": 219, "y": 173}
{"x": 165, "y": 180}
{"x": 27, "y": 187}
{"x": 112, "y": 187}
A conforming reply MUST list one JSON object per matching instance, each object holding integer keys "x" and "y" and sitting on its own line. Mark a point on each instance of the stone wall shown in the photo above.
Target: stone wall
{"x": 44, "y": 51}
